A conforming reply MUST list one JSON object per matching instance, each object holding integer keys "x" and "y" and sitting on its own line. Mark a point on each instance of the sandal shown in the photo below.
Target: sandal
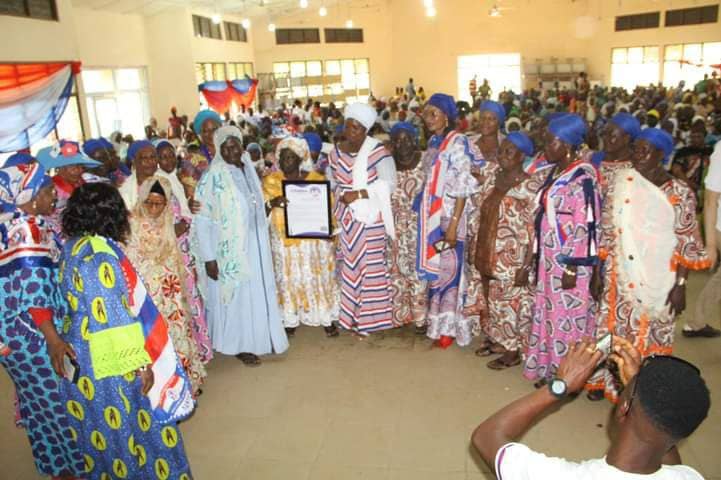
{"x": 485, "y": 349}
{"x": 331, "y": 331}
{"x": 249, "y": 359}
{"x": 290, "y": 331}
{"x": 507, "y": 360}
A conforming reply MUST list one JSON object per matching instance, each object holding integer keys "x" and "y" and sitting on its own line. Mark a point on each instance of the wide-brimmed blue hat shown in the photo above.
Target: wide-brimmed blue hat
{"x": 64, "y": 154}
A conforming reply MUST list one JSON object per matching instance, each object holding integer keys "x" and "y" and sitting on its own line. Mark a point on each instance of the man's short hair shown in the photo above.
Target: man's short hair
{"x": 673, "y": 395}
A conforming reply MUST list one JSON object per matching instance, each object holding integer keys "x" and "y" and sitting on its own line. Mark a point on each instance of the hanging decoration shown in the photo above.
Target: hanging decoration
{"x": 33, "y": 97}
{"x": 716, "y": 66}
{"x": 220, "y": 94}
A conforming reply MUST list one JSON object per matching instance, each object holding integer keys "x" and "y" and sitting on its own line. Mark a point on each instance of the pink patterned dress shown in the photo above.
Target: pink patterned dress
{"x": 566, "y": 228}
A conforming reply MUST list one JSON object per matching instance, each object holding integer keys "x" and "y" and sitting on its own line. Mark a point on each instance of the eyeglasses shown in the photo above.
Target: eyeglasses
{"x": 648, "y": 360}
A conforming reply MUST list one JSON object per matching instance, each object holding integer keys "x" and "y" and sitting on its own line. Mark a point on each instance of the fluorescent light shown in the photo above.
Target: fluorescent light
{"x": 246, "y": 23}
{"x": 349, "y": 24}
{"x": 215, "y": 18}
{"x": 495, "y": 12}
{"x": 271, "y": 27}
{"x": 428, "y": 4}
{"x": 431, "y": 11}
{"x": 303, "y": 3}
{"x": 323, "y": 11}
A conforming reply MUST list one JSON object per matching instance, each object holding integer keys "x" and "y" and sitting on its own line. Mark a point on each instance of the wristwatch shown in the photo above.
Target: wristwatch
{"x": 558, "y": 388}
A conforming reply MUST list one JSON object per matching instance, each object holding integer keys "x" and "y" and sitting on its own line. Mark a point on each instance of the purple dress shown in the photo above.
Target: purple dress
{"x": 566, "y": 230}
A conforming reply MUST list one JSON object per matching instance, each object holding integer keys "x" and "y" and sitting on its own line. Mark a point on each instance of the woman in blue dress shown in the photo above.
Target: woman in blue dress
{"x": 131, "y": 389}
{"x": 32, "y": 308}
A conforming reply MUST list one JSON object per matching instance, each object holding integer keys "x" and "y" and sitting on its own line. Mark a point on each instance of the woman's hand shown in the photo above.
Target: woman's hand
{"x": 211, "y": 269}
{"x": 627, "y": 358}
{"x": 194, "y": 206}
{"x": 278, "y": 202}
{"x": 521, "y": 278}
{"x": 181, "y": 228}
{"x": 147, "y": 379}
{"x": 568, "y": 280}
{"x": 677, "y": 299}
{"x": 57, "y": 349}
{"x": 596, "y": 283}
{"x": 451, "y": 234}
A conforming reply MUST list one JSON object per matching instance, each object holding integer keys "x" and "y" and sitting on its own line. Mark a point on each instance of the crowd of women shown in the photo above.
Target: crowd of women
{"x": 122, "y": 277}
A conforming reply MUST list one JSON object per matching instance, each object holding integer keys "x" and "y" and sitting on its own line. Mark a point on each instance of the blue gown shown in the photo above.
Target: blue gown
{"x": 251, "y": 322}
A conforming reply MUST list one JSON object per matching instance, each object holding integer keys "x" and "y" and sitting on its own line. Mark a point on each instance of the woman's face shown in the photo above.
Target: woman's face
{"x": 254, "y": 154}
{"x": 403, "y": 145}
{"x": 614, "y": 138}
{"x": 45, "y": 200}
{"x": 554, "y": 148}
{"x": 354, "y": 132}
{"x": 102, "y": 156}
{"x": 436, "y": 121}
{"x": 71, "y": 173}
{"x": 645, "y": 156}
{"x": 207, "y": 130}
{"x": 488, "y": 123}
{"x": 146, "y": 162}
{"x": 232, "y": 151}
{"x": 509, "y": 156}
{"x": 289, "y": 162}
{"x": 155, "y": 205}
{"x": 167, "y": 159}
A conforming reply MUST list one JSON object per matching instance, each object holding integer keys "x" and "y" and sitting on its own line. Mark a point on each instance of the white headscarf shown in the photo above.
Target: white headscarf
{"x": 361, "y": 112}
{"x": 298, "y": 146}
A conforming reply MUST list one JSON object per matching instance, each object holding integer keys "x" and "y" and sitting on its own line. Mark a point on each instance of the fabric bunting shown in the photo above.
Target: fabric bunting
{"x": 220, "y": 94}
{"x": 33, "y": 98}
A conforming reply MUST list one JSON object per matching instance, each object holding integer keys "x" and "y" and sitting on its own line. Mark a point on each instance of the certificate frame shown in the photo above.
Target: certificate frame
{"x": 324, "y": 185}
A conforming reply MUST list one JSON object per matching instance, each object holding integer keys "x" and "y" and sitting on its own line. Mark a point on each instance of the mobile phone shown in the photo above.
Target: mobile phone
{"x": 72, "y": 369}
{"x": 605, "y": 345}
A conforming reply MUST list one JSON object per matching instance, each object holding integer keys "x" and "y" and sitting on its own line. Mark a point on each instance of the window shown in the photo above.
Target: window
{"x": 692, "y": 16}
{"x": 286, "y": 36}
{"x": 344, "y": 80}
{"x": 204, "y": 27}
{"x": 240, "y": 70}
{"x": 343, "y": 35}
{"x": 40, "y": 9}
{"x": 638, "y": 21}
{"x": 205, "y": 72}
{"x": 503, "y": 72}
{"x": 235, "y": 32}
{"x": 689, "y": 62}
{"x": 117, "y": 99}
{"x": 634, "y": 66}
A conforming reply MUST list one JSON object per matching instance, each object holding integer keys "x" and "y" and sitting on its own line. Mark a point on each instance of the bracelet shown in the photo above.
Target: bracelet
{"x": 681, "y": 282}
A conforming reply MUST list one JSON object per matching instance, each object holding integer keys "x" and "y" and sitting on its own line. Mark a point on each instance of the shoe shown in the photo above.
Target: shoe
{"x": 706, "y": 332}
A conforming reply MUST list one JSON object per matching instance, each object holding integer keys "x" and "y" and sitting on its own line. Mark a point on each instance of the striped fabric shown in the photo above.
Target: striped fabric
{"x": 365, "y": 282}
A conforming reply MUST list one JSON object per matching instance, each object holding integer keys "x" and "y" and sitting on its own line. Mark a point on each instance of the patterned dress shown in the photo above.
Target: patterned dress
{"x": 192, "y": 168}
{"x": 29, "y": 281}
{"x": 112, "y": 421}
{"x": 365, "y": 304}
{"x": 304, "y": 268}
{"x": 569, "y": 211}
{"x": 447, "y": 291}
{"x": 500, "y": 252}
{"x": 409, "y": 293}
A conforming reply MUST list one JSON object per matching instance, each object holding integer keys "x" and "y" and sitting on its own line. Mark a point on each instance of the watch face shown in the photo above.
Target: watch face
{"x": 558, "y": 387}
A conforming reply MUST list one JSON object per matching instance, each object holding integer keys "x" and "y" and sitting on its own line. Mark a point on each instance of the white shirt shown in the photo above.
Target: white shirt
{"x": 515, "y": 461}
{"x": 713, "y": 179}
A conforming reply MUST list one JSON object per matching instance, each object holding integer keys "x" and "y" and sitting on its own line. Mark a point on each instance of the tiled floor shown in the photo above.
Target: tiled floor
{"x": 387, "y": 408}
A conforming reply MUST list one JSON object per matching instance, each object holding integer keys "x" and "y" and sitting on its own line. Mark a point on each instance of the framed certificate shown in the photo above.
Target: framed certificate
{"x": 307, "y": 214}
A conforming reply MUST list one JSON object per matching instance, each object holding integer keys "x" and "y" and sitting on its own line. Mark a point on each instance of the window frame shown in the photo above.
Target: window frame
{"x": 343, "y": 35}
{"x": 649, "y": 19}
{"x": 326, "y": 81}
{"x": 202, "y": 24}
{"x": 304, "y": 33}
{"x": 658, "y": 63}
{"x": 682, "y": 13}
{"x": 28, "y": 13}
{"x": 234, "y": 32}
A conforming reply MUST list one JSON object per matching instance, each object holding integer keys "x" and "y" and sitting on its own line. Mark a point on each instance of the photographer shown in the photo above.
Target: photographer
{"x": 664, "y": 401}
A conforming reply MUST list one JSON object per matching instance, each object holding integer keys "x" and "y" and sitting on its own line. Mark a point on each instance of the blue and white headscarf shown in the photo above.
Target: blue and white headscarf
{"x": 19, "y": 184}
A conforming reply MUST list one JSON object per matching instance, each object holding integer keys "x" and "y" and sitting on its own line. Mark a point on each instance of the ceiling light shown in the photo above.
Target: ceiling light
{"x": 215, "y": 18}
{"x": 246, "y": 23}
{"x": 303, "y": 3}
{"x": 323, "y": 11}
{"x": 271, "y": 27}
{"x": 431, "y": 11}
{"x": 428, "y": 4}
{"x": 494, "y": 12}
{"x": 349, "y": 24}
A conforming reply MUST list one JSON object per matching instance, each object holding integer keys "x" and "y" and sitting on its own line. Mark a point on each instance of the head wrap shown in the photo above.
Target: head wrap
{"x": 157, "y": 188}
{"x": 202, "y": 116}
{"x": 522, "y": 142}
{"x": 159, "y": 143}
{"x": 95, "y": 144}
{"x": 570, "y": 128}
{"x": 18, "y": 159}
{"x": 362, "y": 113}
{"x": 495, "y": 108}
{"x": 224, "y": 133}
{"x": 314, "y": 141}
{"x": 19, "y": 184}
{"x": 660, "y": 139}
{"x": 297, "y": 145}
{"x": 445, "y": 104}
{"x": 405, "y": 126}
{"x": 628, "y": 123}
{"x": 107, "y": 143}
{"x": 137, "y": 146}
{"x": 254, "y": 146}
{"x": 64, "y": 154}
{"x": 511, "y": 121}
